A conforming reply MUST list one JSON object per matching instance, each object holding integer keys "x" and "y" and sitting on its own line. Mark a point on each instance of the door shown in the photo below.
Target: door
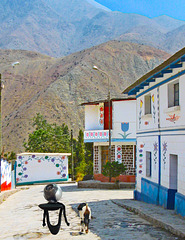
{"x": 173, "y": 181}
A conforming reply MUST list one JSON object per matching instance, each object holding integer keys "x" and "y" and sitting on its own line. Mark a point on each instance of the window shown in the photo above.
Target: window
{"x": 148, "y": 109}
{"x": 176, "y": 94}
{"x": 173, "y": 94}
{"x": 148, "y": 164}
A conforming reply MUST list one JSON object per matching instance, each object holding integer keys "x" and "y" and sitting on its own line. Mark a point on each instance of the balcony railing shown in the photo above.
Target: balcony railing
{"x": 96, "y": 135}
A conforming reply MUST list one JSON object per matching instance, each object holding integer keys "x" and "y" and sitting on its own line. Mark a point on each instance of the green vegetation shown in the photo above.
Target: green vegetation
{"x": 53, "y": 138}
{"x": 113, "y": 169}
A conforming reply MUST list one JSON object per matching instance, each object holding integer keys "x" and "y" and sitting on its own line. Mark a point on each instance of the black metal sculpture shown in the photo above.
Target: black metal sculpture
{"x": 52, "y": 194}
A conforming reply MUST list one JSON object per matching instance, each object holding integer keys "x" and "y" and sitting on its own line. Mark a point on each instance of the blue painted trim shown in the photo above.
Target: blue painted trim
{"x": 165, "y": 130}
{"x": 149, "y": 182}
{"x": 112, "y": 140}
{"x": 167, "y": 71}
{"x": 158, "y": 75}
{"x": 176, "y": 65}
{"x": 159, "y": 177}
{"x": 154, "y": 193}
{"x": 150, "y": 79}
{"x": 44, "y": 181}
{"x": 96, "y": 140}
{"x": 180, "y": 204}
{"x": 124, "y": 140}
{"x": 161, "y": 83}
{"x": 15, "y": 168}
{"x": 167, "y": 197}
{"x": 137, "y": 195}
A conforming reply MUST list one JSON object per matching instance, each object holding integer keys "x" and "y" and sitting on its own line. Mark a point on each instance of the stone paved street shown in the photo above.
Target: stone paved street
{"x": 21, "y": 218}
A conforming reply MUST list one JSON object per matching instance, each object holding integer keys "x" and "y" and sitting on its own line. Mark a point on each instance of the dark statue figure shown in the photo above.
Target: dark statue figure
{"x": 52, "y": 194}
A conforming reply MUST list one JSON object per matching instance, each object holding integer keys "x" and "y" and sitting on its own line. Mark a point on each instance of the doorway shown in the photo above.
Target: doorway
{"x": 173, "y": 180}
{"x": 173, "y": 175}
{"x": 104, "y": 156}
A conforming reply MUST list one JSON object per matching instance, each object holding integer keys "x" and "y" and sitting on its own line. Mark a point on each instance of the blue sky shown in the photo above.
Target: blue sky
{"x": 149, "y": 8}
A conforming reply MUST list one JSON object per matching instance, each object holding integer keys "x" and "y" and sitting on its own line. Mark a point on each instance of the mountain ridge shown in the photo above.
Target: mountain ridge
{"x": 59, "y": 28}
{"x": 55, "y": 87}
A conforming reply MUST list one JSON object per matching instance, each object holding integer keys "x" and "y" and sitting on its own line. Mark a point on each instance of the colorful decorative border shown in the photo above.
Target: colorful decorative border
{"x": 23, "y": 163}
{"x": 119, "y": 153}
{"x": 104, "y": 134}
{"x": 101, "y": 116}
{"x": 140, "y": 158}
{"x": 164, "y": 152}
{"x": 155, "y": 152}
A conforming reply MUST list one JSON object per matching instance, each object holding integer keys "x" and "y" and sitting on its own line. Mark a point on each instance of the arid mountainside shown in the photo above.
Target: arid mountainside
{"x": 55, "y": 87}
{"x": 61, "y": 27}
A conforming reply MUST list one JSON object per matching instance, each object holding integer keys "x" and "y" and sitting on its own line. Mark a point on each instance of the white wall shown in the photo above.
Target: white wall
{"x": 124, "y": 112}
{"x": 174, "y": 145}
{"x": 92, "y": 122}
{"x": 171, "y": 131}
{"x": 147, "y": 144}
{"x": 41, "y": 167}
{"x": 147, "y": 121}
{"x": 166, "y": 112}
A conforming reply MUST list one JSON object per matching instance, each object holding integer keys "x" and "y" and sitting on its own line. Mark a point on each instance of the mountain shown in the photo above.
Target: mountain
{"x": 174, "y": 39}
{"x": 55, "y": 87}
{"x": 168, "y": 23}
{"x": 58, "y": 27}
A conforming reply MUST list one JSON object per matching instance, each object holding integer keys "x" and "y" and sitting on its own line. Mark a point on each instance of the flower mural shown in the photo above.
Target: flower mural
{"x": 23, "y": 168}
{"x": 119, "y": 153}
{"x": 125, "y": 128}
{"x": 101, "y": 116}
{"x": 155, "y": 152}
{"x": 164, "y": 153}
{"x": 173, "y": 118}
{"x": 140, "y": 112}
{"x": 153, "y": 106}
{"x": 140, "y": 157}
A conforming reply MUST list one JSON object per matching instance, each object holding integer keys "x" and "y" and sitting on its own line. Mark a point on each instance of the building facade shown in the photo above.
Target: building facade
{"x": 123, "y": 135}
{"x": 160, "y": 173}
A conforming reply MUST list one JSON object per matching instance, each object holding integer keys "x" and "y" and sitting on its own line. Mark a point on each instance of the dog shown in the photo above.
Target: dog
{"x": 85, "y": 216}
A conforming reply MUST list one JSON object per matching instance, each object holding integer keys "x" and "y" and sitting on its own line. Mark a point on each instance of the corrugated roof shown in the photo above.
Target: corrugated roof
{"x": 106, "y": 100}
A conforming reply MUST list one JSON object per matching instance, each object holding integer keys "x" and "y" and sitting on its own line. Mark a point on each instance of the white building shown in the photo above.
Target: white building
{"x": 123, "y": 134}
{"x": 160, "y": 174}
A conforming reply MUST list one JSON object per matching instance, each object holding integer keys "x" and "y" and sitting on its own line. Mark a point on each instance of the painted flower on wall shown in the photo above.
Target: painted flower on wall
{"x": 141, "y": 103}
{"x": 153, "y": 106}
{"x": 173, "y": 118}
{"x": 140, "y": 112}
{"x": 155, "y": 152}
{"x": 164, "y": 153}
{"x": 125, "y": 128}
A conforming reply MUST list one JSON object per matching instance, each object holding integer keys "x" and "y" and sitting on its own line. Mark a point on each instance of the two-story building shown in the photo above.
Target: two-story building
{"x": 122, "y": 130}
{"x": 160, "y": 173}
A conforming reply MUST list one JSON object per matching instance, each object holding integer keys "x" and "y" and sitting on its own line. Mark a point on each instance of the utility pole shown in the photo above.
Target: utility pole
{"x": 109, "y": 102}
{"x": 72, "y": 163}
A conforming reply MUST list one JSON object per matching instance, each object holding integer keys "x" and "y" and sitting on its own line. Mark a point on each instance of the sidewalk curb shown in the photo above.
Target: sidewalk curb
{"x": 5, "y": 194}
{"x": 151, "y": 219}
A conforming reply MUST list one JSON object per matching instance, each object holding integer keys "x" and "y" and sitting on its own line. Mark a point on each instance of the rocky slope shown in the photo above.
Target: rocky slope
{"x": 56, "y": 87}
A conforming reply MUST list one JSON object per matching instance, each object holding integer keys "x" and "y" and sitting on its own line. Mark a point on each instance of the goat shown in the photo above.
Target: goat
{"x": 85, "y": 216}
